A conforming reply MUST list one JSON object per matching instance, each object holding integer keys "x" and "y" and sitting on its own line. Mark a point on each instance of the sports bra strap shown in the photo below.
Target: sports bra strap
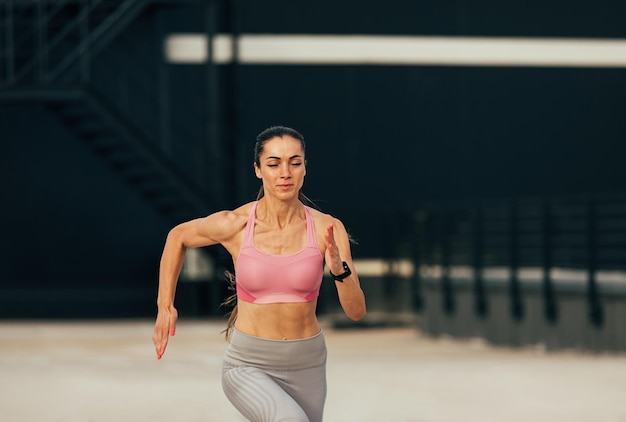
{"x": 248, "y": 239}
{"x": 311, "y": 237}
{"x": 263, "y": 277}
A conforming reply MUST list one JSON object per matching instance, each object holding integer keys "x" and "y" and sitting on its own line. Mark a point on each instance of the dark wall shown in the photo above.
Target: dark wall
{"x": 387, "y": 138}
{"x": 380, "y": 139}
{"x": 438, "y": 133}
{"x": 445, "y": 133}
{"x": 556, "y": 18}
{"x": 67, "y": 221}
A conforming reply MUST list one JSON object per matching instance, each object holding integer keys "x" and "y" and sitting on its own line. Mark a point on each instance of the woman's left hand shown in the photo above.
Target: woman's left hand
{"x": 333, "y": 258}
{"x": 351, "y": 296}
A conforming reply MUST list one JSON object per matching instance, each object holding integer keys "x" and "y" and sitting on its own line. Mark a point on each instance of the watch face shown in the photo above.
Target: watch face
{"x": 345, "y": 267}
{"x": 346, "y": 273}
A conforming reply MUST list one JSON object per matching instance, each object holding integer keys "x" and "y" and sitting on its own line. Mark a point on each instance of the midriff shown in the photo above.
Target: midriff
{"x": 278, "y": 321}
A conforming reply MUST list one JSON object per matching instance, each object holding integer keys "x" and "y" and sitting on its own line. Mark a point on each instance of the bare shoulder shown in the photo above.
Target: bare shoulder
{"x": 224, "y": 224}
{"x": 323, "y": 220}
{"x": 236, "y": 216}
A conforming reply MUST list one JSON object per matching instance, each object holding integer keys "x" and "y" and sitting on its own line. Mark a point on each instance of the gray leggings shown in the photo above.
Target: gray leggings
{"x": 276, "y": 380}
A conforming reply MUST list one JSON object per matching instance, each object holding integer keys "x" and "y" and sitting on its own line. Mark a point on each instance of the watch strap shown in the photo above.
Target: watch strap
{"x": 346, "y": 273}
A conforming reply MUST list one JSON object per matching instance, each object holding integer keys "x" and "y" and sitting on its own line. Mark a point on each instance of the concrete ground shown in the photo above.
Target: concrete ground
{"x": 107, "y": 371}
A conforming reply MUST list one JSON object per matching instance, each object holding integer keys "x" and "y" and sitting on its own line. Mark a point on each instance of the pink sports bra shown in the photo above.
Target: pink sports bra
{"x": 263, "y": 277}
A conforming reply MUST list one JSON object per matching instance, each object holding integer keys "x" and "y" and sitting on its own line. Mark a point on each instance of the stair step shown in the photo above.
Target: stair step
{"x": 130, "y": 166}
{"x": 57, "y": 24}
{"x": 92, "y": 137}
{"x": 78, "y": 110}
{"x": 92, "y": 125}
{"x": 165, "y": 200}
{"x": 24, "y": 43}
{"x": 103, "y": 10}
{"x": 73, "y": 120}
{"x": 137, "y": 174}
{"x": 123, "y": 157}
{"x": 137, "y": 178}
{"x": 175, "y": 214}
{"x": 157, "y": 187}
{"x": 104, "y": 149}
{"x": 106, "y": 141}
{"x": 162, "y": 201}
{"x": 151, "y": 183}
{"x": 161, "y": 189}
{"x": 23, "y": 27}
{"x": 22, "y": 54}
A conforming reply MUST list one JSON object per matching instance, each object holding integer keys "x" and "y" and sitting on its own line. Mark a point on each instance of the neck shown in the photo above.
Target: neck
{"x": 279, "y": 213}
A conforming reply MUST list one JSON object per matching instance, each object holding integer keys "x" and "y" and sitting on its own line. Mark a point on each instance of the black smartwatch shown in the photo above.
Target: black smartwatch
{"x": 345, "y": 274}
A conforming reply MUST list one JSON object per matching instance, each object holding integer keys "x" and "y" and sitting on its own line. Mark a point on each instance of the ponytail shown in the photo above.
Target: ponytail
{"x": 231, "y": 301}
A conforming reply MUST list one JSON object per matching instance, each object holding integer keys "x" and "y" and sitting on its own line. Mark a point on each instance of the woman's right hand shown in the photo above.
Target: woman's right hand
{"x": 164, "y": 327}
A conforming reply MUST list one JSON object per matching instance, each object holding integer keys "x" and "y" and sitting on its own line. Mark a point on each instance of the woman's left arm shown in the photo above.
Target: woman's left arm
{"x": 351, "y": 296}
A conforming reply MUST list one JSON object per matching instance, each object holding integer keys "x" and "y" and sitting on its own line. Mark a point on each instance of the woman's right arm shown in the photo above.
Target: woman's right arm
{"x": 211, "y": 230}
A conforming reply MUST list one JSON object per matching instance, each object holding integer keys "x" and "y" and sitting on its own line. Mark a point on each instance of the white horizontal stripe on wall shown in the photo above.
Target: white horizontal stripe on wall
{"x": 403, "y": 268}
{"x": 399, "y": 50}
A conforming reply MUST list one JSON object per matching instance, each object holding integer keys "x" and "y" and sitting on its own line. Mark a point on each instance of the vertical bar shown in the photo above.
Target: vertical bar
{"x": 421, "y": 218}
{"x": 212, "y": 175}
{"x": 550, "y": 308}
{"x": 447, "y": 294}
{"x": 480, "y": 301}
{"x": 163, "y": 93}
{"x": 10, "y": 59}
{"x": 36, "y": 41}
{"x": 238, "y": 171}
{"x": 41, "y": 42}
{"x": 596, "y": 315}
{"x": 389, "y": 279}
{"x": 85, "y": 46}
{"x": 211, "y": 171}
{"x": 517, "y": 309}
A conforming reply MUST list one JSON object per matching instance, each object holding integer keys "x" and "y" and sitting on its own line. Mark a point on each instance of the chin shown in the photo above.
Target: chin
{"x": 286, "y": 196}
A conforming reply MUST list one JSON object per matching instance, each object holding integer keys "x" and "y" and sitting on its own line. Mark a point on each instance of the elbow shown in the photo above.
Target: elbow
{"x": 175, "y": 232}
{"x": 174, "y": 240}
{"x": 357, "y": 314}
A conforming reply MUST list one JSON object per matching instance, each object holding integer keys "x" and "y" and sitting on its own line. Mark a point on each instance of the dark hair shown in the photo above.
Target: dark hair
{"x": 268, "y": 134}
{"x": 274, "y": 132}
{"x": 278, "y": 132}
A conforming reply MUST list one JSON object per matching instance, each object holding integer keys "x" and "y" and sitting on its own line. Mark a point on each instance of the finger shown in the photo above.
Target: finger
{"x": 330, "y": 237}
{"x": 160, "y": 343}
{"x": 160, "y": 340}
{"x": 172, "y": 325}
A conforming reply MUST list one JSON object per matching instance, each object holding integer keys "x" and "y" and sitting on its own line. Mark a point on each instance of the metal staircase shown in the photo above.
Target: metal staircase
{"x": 107, "y": 133}
{"x": 46, "y": 50}
{"x": 52, "y": 41}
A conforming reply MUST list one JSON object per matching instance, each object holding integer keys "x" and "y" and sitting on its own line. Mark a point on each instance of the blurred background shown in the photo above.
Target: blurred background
{"x": 473, "y": 149}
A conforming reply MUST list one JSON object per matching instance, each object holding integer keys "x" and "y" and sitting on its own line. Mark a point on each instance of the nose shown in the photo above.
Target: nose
{"x": 284, "y": 171}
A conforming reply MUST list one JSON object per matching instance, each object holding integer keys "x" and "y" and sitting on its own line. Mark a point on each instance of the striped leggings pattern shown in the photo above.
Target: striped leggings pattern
{"x": 280, "y": 387}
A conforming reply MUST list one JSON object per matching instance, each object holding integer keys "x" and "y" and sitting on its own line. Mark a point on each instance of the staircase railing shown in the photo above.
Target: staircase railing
{"x": 560, "y": 245}
{"x": 51, "y": 44}
{"x": 51, "y": 41}
{"x": 53, "y": 52}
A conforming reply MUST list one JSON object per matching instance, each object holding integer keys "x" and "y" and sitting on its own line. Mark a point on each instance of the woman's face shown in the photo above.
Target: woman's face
{"x": 282, "y": 167}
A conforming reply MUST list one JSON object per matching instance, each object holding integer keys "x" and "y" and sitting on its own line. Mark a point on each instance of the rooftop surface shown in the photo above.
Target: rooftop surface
{"x": 108, "y": 371}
